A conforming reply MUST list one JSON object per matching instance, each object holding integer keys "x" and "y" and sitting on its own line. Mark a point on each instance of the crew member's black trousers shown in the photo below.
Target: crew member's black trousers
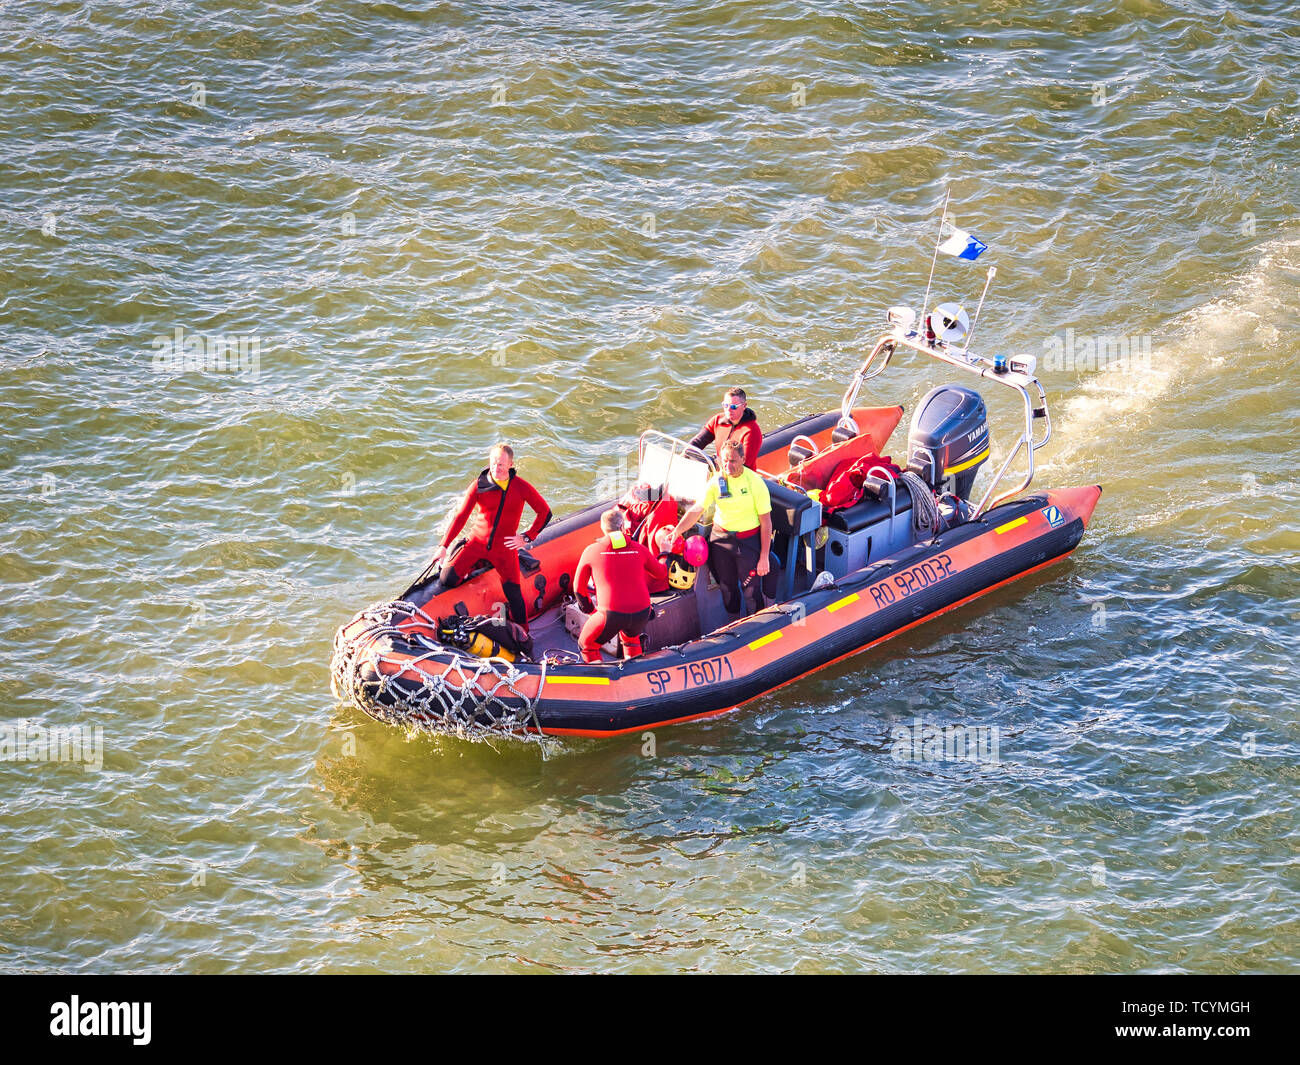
{"x": 733, "y": 559}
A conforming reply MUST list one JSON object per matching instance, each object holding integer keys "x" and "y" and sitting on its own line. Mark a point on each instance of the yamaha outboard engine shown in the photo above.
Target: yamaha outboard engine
{"x": 949, "y": 439}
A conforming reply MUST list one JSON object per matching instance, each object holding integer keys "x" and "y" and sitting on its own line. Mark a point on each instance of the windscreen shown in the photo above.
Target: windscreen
{"x": 665, "y": 461}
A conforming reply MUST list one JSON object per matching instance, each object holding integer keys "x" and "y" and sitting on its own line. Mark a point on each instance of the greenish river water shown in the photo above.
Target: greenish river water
{"x": 431, "y": 226}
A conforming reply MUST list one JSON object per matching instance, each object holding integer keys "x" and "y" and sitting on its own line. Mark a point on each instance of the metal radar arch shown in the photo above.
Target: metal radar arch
{"x": 1016, "y": 373}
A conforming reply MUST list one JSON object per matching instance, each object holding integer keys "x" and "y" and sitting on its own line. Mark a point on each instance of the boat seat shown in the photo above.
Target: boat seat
{"x": 676, "y": 619}
{"x": 793, "y": 512}
{"x": 868, "y": 510}
{"x": 864, "y": 532}
{"x": 794, "y": 517}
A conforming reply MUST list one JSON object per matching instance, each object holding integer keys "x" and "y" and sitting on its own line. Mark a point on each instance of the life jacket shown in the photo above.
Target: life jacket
{"x": 846, "y": 487}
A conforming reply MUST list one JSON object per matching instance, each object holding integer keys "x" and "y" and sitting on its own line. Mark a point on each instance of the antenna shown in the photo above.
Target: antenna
{"x": 925, "y": 302}
{"x": 988, "y": 280}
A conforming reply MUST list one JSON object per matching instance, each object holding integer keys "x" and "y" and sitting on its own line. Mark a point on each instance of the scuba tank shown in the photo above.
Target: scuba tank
{"x": 487, "y": 648}
{"x": 471, "y": 634}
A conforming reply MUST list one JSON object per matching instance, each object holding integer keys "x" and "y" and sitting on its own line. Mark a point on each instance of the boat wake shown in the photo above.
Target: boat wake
{"x": 1120, "y": 398}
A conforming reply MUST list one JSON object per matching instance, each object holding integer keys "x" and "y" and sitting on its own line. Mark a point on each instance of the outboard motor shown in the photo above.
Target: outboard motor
{"x": 949, "y": 439}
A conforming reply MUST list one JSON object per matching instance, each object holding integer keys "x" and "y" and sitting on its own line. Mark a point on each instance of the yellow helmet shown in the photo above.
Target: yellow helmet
{"x": 681, "y": 574}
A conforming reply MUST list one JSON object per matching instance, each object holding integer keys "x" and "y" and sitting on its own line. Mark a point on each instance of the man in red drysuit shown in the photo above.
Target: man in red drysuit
{"x": 496, "y": 500}
{"x": 734, "y": 422}
{"x": 621, "y": 568}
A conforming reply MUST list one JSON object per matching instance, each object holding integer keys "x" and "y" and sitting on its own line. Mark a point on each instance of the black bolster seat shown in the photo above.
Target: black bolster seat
{"x": 789, "y": 507}
{"x": 794, "y": 516}
{"x": 868, "y": 510}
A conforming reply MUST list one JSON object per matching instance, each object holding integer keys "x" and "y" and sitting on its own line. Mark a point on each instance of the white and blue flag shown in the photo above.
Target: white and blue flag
{"x": 963, "y": 245}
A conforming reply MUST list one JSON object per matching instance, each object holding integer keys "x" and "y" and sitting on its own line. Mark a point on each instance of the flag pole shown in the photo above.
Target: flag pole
{"x": 988, "y": 280}
{"x": 925, "y": 302}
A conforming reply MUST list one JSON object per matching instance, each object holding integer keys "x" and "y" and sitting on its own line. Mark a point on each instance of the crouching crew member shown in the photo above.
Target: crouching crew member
{"x": 496, "y": 499}
{"x": 622, "y": 569}
{"x": 736, "y": 422}
{"x": 742, "y": 531}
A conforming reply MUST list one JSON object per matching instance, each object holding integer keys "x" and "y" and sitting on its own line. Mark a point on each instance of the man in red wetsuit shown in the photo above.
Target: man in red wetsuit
{"x": 621, "y": 568}
{"x": 496, "y": 499}
{"x": 734, "y": 422}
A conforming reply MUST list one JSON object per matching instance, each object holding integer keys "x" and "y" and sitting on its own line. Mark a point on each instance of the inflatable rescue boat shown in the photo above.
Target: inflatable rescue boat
{"x": 862, "y": 549}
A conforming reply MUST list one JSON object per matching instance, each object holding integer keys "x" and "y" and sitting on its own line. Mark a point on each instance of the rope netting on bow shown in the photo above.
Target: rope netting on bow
{"x": 458, "y": 694}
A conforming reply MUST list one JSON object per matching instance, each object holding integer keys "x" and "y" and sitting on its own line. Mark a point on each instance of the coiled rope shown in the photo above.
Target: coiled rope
{"x": 925, "y": 511}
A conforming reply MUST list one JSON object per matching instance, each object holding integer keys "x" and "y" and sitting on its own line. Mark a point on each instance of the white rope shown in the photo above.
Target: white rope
{"x": 447, "y": 699}
{"x": 925, "y": 511}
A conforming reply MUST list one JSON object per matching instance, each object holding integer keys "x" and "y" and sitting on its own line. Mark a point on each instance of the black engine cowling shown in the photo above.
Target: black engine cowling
{"x": 949, "y": 439}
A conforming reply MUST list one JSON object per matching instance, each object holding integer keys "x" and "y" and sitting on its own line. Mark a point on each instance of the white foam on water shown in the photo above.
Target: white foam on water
{"x": 1118, "y": 399}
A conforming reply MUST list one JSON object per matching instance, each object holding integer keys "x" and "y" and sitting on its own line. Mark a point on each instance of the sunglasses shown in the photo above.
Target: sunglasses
{"x": 731, "y": 406}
